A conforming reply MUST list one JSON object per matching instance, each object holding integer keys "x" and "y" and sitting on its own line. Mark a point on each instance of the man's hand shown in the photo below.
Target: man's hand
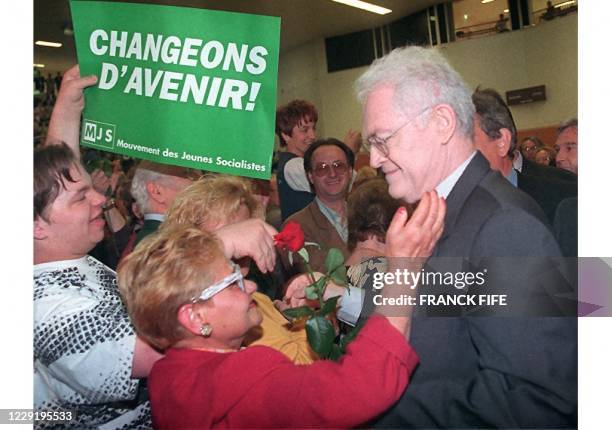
{"x": 64, "y": 125}
{"x": 100, "y": 181}
{"x": 70, "y": 96}
{"x": 417, "y": 236}
{"x": 353, "y": 140}
{"x": 253, "y": 238}
{"x": 295, "y": 295}
{"x": 413, "y": 240}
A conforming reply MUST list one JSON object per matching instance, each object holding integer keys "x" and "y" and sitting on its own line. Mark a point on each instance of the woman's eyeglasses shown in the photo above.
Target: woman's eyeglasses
{"x": 235, "y": 277}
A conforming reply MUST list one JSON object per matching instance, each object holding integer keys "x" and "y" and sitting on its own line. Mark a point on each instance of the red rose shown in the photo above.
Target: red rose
{"x": 291, "y": 237}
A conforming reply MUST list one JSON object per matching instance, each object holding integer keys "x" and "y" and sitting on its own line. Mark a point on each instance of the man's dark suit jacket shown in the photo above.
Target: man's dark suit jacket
{"x": 534, "y": 169}
{"x": 547, "y": 191}
{"x": 566, "y": 226}
{"x": 503, "y": 372}
{"x": 148, "y": 227}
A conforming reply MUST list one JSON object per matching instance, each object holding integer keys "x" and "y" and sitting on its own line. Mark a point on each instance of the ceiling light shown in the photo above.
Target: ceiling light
{"x": 365, "y": 6}
{"x": 566, "y": 3}
{"x": 40, "y": 66}
{"x": 485, "y": 1}
{"x": 50, "y": 44}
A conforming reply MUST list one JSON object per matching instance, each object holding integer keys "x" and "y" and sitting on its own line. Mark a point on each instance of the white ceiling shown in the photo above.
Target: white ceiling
{"x": 301, "y": 21}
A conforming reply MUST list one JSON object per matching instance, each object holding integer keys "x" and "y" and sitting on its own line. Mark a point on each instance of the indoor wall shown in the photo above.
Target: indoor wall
{"x": 545, "y": 54}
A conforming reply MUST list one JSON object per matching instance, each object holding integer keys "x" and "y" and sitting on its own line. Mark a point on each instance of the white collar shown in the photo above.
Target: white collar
{"x": 155, "y": 217}
{"x": 445, "y": 187}
{"x": 59, "y": 264}
{"x": 518, "y": 161}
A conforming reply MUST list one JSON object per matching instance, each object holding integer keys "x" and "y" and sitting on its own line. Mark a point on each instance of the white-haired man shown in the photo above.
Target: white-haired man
{"x": 475, "y": 371}
{"x": 154, "y": 187}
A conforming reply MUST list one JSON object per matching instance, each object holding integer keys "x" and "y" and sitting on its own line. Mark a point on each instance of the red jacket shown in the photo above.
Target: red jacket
{"x": 259, "y": 387}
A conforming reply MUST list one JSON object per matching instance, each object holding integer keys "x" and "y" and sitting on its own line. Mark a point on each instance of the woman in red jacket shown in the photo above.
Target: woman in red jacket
{"x": 185, "y": 297}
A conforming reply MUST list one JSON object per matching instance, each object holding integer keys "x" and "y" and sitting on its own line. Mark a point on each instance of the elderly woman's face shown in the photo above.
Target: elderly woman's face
{"x": 232, "y": 312}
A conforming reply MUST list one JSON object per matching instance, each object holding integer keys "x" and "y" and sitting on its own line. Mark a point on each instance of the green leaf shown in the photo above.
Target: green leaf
{"x": 329, "y": 305}
{"x": 335, "y": 352}
{"x": 304, "y": 254}
{"x": 339, "y": 275}
{"x": 333, "y": 260}
{"x": 311, "y": 292}
{"x": 319, "y": 285}
{"x": 297, "y": 313}
{"x": 320, "y": 334}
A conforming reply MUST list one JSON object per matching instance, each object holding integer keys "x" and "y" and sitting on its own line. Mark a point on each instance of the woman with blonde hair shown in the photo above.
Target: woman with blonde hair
{"x": 186, "y": 298}
{"x": 218, "y": 200}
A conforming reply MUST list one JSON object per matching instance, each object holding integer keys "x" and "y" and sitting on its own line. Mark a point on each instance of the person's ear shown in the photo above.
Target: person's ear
{"x": 445, "y": 121}
{"x": 154, "y": 191}
{"x": 191, "y": 317}
{"x": 309, "y": 176}
{"x": 286, "y": 137}
{"x": 503, "y": 142}
{"x": 40, "y": 229}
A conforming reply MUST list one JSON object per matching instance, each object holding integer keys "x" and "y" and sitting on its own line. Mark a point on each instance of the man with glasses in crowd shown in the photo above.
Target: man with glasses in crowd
{"x": 476, "y": 370}
{"x": 529, "y": 146}
{"x": 328, "y": 164}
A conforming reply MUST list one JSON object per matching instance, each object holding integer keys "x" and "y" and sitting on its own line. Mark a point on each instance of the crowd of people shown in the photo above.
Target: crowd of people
{"x": 159, "y": 291}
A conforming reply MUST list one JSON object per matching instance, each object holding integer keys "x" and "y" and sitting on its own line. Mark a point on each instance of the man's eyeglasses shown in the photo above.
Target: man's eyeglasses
{"x": 325, "y": 169}
{"x": 380, "y": 143}
{"x": 235, "y": 277}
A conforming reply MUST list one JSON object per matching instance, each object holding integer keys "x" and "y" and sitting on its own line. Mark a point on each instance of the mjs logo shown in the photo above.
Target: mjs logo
{"x": 98, "y": 133}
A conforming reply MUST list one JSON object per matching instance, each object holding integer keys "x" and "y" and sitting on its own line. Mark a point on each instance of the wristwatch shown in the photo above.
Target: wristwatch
{"x": 110, "y": 203}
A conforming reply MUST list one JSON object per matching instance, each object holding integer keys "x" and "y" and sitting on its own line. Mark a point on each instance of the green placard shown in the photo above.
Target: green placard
{"x": 183, "y": 86}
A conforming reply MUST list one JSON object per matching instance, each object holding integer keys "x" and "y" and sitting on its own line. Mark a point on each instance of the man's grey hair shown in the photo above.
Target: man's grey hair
{"x": 568, "y": 123}
{"x": 422, "y": 77}
{"x": 139, "y": 186}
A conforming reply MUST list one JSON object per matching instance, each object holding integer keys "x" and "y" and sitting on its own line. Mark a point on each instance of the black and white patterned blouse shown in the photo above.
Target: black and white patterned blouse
{"x": 83, "y": 347}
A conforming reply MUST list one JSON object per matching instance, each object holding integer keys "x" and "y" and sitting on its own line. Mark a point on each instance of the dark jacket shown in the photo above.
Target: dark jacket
{"x": 148, "y": 227}
{"x": 482, "y": 371}
{"x": 535, "y": 169}
{"x": 547, "y": 191}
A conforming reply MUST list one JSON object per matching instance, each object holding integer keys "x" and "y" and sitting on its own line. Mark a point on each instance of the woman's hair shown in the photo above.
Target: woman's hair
{"x": 292, "y": 114}
{"x": 370, "y": 209}
{"x": 166, "y": 270}
{"x": 212, "y": 199}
